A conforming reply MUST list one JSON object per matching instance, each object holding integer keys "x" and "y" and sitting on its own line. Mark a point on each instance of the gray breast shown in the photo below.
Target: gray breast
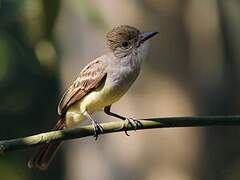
{"x": 121, "y": 78}
{"x": 122, "y": 72}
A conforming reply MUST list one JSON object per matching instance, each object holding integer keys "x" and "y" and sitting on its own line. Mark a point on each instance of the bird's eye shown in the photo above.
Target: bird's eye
{"x": 125, "y": 44}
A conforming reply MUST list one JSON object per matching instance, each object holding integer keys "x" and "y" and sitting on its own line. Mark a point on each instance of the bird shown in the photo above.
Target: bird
{"x": 101, "y": 83}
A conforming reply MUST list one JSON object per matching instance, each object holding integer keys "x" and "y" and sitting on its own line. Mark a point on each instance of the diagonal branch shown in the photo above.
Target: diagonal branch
{"x": 80, "y": 132}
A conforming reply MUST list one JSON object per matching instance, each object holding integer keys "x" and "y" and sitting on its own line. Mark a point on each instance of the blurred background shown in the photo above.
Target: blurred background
{"x": 193, "y": 68}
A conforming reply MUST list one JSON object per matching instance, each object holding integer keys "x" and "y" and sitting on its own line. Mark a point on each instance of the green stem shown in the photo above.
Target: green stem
{"x": 80, "y": 132}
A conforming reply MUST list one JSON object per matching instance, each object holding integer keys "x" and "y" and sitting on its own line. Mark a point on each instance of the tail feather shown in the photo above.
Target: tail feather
{"x": 45, "y": 154}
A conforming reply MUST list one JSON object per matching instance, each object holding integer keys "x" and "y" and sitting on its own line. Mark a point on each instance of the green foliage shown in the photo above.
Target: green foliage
{"x": 28, "y": 76}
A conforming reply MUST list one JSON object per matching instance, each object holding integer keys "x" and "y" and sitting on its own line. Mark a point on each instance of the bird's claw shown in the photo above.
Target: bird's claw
{"x": 133, "y": 123}
{"x": 98, "y": 129}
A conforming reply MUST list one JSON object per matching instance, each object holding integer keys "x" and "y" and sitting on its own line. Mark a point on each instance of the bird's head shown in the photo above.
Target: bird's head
{"x": 125, "y": 40}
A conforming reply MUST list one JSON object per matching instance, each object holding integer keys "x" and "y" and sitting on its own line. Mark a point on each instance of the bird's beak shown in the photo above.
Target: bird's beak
{"x": 147, "y": 35}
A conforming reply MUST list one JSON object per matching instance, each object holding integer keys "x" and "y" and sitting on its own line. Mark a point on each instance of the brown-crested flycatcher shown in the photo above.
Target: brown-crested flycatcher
{"x": 100, "y": 84}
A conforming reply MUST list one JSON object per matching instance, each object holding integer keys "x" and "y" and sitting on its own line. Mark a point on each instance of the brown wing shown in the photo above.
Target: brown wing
{"x": 89, "y": 78}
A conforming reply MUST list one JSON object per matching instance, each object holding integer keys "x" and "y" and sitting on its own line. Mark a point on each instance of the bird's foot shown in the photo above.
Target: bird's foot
{"x": 98, "y": 129}
{"x": 134, "y": 123}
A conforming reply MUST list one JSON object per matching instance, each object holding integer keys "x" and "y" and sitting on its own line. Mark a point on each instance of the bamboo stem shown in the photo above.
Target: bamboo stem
{"x": 111, "y": 127}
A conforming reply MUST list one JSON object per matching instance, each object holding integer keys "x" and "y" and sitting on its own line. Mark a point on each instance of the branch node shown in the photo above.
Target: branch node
{"x": 2, "y": 150}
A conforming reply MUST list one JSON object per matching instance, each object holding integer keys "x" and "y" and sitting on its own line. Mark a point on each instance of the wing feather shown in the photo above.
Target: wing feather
{"x": 89, "y": 78}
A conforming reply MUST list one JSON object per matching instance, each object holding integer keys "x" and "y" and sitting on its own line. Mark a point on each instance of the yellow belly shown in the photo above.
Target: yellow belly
{"x": 96, "y": 100}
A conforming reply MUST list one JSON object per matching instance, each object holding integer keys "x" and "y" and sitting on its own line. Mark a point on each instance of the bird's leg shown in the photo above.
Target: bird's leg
{"x": 133, "y": 122}
{"x": 98, "y": 129}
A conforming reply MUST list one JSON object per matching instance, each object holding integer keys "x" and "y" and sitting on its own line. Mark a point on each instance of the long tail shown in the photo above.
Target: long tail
{"x": 45, "y": 154}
